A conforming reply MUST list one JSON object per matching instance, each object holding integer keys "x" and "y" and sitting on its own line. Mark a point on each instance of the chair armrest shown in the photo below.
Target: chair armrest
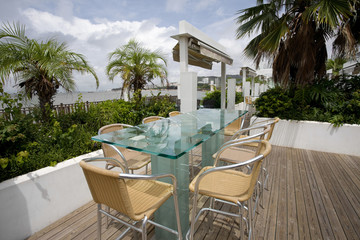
{"x": 222, "y": 168}
{"x": 150, "y": 177}
{"x": 238, "y": 133}
{"x": 113, "y": 161}
{"x": 234, "y": 143}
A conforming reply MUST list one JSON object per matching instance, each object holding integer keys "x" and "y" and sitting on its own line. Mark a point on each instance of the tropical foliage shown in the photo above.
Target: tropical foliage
{"x": 27, "y": 145}
{"x": 137, "y": 66}
{"x": 335, "y": 65}
{"x": 292, "y": 34}
{"x": 39, "y": 68}
{"x": 213, "y": 99}
{"x": 335, "y": 100}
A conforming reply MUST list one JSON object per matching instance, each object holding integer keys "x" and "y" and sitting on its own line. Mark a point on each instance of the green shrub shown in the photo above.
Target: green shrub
{"x": 327, "y": 100}
{"x": 213, "y": 99}
{"x": 274, "y": 103}
{"x": 27, "y": 145}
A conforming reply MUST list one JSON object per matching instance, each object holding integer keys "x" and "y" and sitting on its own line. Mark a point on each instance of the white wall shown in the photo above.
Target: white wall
{"x": 317, "y": 136}
{"x": 35, "y": 200}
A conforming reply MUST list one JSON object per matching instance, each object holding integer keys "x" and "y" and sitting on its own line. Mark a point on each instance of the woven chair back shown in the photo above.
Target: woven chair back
{"x": 107, "y": 149}
{"x": 107, "y": 188}
{"x": 265, "y": 149}
{"x": 174, "y": 113}
{"x": 272, "y": 126}
{"x": 151, "y": 119}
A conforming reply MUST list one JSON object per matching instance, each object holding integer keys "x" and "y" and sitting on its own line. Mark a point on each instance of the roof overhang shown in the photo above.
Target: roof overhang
{"x": 202, "y": 51}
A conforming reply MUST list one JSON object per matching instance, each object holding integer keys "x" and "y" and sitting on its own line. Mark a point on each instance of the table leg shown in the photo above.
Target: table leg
{"x": 211, "y": 146}
{"x": 166, "y": 214}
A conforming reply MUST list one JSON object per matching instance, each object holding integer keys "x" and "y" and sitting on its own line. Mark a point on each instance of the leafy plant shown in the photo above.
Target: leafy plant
{"x": 213, "y": 99}
{"x": 334, "y": 100}
{"x": 27, "y": 145}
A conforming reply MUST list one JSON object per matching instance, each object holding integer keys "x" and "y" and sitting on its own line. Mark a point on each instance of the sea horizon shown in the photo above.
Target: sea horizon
{"x": 97, "y": 96}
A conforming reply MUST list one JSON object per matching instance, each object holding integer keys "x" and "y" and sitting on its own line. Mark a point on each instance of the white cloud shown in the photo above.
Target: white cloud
{"x": 97, "y": 40}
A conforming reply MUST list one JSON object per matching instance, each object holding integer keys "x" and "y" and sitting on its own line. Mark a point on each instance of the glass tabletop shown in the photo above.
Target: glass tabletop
{"x": 172, "y": 137}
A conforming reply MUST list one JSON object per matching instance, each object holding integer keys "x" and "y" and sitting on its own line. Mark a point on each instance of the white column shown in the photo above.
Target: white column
{"x": 246, "y": 91}
{"x": 184, "y": 54}
{"x": 243, "y": 82}
{"x": 257, "y": 90}
{"x": 212, "y": 86}
{"x": 188, "y": 89}
{"x": 231, "y": 94}
{"x": 252, "y": 86}
{"x": 184, "y": 58}
{"x": 223, "y": 85}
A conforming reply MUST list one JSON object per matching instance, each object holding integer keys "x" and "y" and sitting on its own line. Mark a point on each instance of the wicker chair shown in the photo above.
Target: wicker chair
{"x": 130, "y": 159}
{"x": 233, "y": 127}
{"x": 269, "y": 122}
{"x": 151, "y": 119}
{"x": 229, "y": 185}
{"x": 135, "y": 197}
{"x": 240, "y": 154}
{"x": 248, "y": 150}
{"x": 174, "y": 113}
{"x": 255, "y": 125}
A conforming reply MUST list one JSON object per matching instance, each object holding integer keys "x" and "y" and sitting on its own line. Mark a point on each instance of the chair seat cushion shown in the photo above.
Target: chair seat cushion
{"x": 147, "y": 195}
{"x": 236, "y": 155}
{"x": 228, "y": 185}
{"x": 135, "y": 159}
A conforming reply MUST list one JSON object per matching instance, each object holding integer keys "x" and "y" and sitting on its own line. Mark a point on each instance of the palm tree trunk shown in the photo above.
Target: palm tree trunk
{"x": 46, "y": 103}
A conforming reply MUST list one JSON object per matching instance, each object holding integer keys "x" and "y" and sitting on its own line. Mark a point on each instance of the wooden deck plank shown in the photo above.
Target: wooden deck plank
{"x": 310, "y": 195}
{"x": 303, "y": 225}
{"x": 292, "y": 229}
{"x": 334, "y": 224}
{"x": 316, "y": 189}
{"x": 336, "y": 196}
{"x": 348, "y": 181}
{"x": 312, "y": 218}
{"x": 263, "y": 218}
{"x": 270, "y": 226}
{"x": 346, "y": 195}
{"x": 281, "y": 220}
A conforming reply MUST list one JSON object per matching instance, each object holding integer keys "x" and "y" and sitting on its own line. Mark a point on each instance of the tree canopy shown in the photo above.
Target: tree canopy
{"x": 39, "y": 67}
{"x": 292, "y": 34}
{"x": 136, "y": 65}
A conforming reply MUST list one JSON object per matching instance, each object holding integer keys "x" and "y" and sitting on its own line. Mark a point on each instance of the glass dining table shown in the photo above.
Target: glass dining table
{"x": 169, "y": 141}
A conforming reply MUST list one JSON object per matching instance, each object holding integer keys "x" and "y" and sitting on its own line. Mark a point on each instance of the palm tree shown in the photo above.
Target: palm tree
{"x": 335, "y": 65}
{"x": 137, "y": 66}
{"x": 292, "y": 34}
{"x": 39, "y": 68}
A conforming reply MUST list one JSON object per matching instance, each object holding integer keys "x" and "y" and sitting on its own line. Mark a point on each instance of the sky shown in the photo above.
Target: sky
{"x": 95, "y": 28}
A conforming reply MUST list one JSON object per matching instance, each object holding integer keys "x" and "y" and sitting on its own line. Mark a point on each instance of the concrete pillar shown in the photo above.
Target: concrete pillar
{"x": 257, "y": 90}
{"x": 212, "y": 86}
{"x": 223, "y": 85}
{"x": 246, "y": 91}
{"x": 244, "y": 82}
{"x": 231, "y": 91}
{"x": 188, "y": 89}
{"x": 252, "y": 86}
{"x": 184, "y": 60}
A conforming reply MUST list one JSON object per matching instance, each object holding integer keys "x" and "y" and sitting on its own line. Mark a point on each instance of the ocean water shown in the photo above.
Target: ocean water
{"x": 69, "y": 98}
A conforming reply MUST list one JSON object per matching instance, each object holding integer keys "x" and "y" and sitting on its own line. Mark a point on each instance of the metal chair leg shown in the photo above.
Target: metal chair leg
{"x": 210, "y": 217}
{"x": 99, "y": 221}
{"x": 176, "y": 206}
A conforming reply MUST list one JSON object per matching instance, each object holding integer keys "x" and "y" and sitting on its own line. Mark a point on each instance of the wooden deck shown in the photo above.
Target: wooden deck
{"x": 311, "y": 195}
